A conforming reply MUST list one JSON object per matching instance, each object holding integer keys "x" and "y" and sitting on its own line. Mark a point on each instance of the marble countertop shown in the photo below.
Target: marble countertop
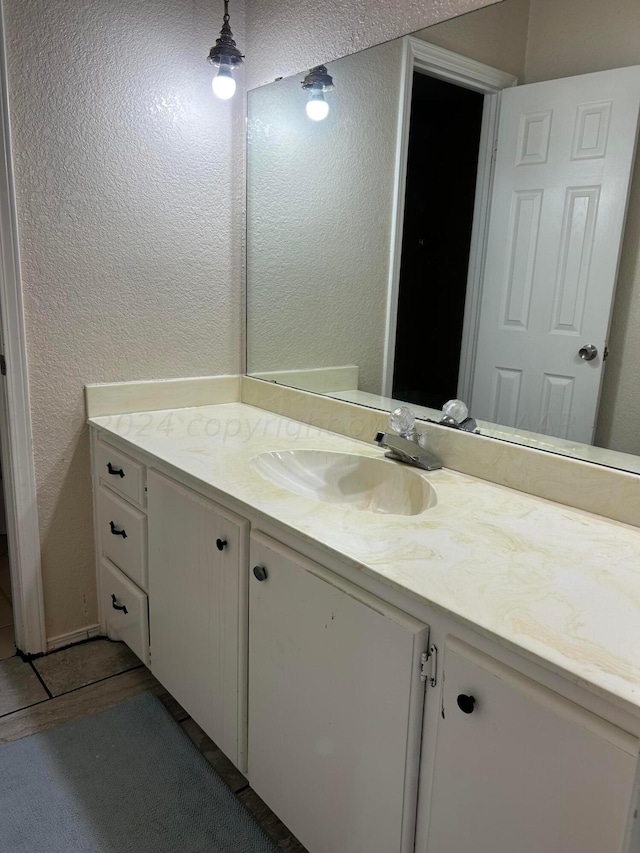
{"x": 557, "y": 582}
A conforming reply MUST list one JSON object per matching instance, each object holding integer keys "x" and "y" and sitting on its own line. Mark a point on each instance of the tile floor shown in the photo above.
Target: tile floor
{"x": 7, "y": 646}
{"x": 81, "y": 680}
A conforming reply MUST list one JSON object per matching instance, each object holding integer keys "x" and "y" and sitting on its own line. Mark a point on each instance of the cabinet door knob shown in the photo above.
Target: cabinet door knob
{"x": 221, "y": 544}
{"x": 260, "y": 573}
{"x": 466, "y": 703}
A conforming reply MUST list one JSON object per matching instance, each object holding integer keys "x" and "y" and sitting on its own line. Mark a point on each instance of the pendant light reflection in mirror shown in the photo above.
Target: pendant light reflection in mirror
{"x": 316, "y": 83}
{"x": 226, "y": 57}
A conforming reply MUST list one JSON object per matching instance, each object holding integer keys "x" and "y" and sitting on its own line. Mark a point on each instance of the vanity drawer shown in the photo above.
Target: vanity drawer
{"x": 119, "y": 472}
{"x": 122, "y": 532}
{"x": 126, "y": 609}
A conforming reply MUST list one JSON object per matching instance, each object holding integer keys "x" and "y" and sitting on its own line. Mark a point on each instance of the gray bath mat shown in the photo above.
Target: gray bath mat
{"x": 124, "y": 780}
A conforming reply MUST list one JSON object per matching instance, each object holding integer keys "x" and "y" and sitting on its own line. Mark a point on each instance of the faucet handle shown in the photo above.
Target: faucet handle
{"x": 455, "y": 411}
{"x": 403, "y": 421}
{"x": 456, "y": 414}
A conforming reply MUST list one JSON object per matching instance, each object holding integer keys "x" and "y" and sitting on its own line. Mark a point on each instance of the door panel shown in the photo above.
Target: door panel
{"x": 563, "y": 164}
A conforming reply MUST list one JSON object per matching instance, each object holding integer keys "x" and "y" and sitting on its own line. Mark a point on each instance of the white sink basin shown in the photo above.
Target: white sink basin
{"x": 373, "y": 485}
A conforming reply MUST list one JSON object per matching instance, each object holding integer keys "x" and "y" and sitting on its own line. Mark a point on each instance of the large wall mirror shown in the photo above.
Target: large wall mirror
{"x": 464, "y": 222}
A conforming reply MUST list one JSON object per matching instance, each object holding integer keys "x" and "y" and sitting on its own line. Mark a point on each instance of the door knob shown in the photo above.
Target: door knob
{"x": 466, "y": 703}
{"x": 588, "y": 352}
{"x": 260, "y": 573}
{"x": 220, "y": 544}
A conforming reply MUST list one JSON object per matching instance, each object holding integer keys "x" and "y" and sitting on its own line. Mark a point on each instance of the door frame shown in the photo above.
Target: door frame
{"x": 18, "y": 468}
{"x": 469, "y": 74}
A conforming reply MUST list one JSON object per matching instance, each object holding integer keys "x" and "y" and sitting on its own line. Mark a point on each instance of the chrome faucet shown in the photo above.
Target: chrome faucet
{"x": 404, "y": 443}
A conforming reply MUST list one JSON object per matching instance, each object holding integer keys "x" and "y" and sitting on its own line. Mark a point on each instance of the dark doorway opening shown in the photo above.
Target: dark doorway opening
{"x": 444, "y": 138}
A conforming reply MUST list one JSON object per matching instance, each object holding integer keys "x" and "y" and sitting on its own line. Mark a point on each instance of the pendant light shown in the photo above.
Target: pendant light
{"x": 316, "y": 83}
{"x": 226, "y": 57}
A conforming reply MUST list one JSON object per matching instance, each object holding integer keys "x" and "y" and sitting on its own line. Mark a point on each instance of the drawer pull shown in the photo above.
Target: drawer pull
{"x": 221, "y": 544}
{"x": 116, "y": 532}
{"x": 117, "y": 472}
{"x": 118, "y": 606}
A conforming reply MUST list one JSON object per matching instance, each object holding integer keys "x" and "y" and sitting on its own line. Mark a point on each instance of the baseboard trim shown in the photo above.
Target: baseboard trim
{"x": 54, "y": 643}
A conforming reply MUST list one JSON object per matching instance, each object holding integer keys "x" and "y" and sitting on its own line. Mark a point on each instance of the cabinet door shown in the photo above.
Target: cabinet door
{"x": 335, "y": 704}
{"x": 524, "y": 769}
{"x": 196, "y": 615}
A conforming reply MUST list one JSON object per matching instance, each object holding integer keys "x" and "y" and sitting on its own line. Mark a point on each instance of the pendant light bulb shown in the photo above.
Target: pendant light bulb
{"x": 315, "y": 84}
{"x": 223, "y": 84}
{"x": 317, "y": 108}
{"x": 226, "y": 57}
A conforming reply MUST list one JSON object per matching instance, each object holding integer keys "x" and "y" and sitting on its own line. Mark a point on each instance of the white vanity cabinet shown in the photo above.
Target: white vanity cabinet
{"x": 518, "y": 767}
{"x": 335, "y": 705}
{"x": 312, "y": 681}
{"x": 198, "y": 556}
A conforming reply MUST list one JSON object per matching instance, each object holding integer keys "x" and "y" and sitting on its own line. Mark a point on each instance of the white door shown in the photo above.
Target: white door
{"x": 335, "y": 706}
{"x": 563, "y": 164}
{"x": 520, "y": 769}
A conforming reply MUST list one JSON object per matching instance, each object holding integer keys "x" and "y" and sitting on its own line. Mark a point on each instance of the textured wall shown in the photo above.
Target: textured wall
{"x": 579, "y": 36}
{"x": 319, "y": 200}
{"x": 496, "y": 35}
{"x": 129, "y": 205}
{"x": 576, "y": 37}
{"x": 619, "y": 416}
{"x": 287, "y": 36}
